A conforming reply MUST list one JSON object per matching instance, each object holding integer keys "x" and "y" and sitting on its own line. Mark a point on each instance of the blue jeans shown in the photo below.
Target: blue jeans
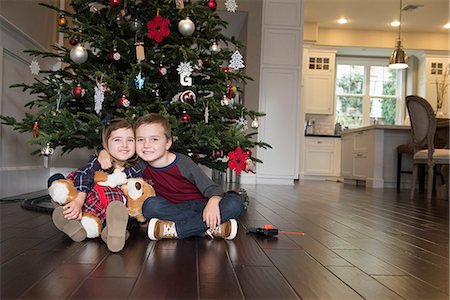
{"x": 188, "y": 216}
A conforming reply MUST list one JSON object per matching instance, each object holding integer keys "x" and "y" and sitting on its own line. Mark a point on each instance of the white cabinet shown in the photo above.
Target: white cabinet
{"x": 322, "y": 156}
{"x": 431, "y": 71}
{"x": 318, "y": 81}
{"x": 357, "y": 149}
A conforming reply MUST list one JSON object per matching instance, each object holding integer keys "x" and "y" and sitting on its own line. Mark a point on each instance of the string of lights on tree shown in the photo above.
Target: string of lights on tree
{"x": 131, "y": 57}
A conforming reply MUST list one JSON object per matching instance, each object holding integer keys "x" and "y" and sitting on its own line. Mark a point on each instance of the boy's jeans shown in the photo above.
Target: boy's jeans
{"x": 188, "y": 215}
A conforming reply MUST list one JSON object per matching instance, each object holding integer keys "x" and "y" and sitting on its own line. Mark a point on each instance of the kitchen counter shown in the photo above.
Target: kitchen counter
{"x": 382, "y": 127}
{"x": 323, "y": 135}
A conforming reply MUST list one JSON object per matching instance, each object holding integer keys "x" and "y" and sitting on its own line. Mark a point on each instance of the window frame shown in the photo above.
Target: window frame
{"x": 368, "y": 62}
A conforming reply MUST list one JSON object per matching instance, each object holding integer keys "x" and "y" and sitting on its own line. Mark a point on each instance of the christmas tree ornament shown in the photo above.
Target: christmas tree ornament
{"x": 35, "y": 129}
{"x": 34, "y": 67}
{"x": 74, "y": 40}
{"x": 225, "y": 101}
{"x": 254, "y": 124}
{"x": 95, "y": 51}
{"x": 249, "y": 166}
{"x": 115, "y": 55}
{"x": 248, "y": 152}
{"x": 95, "y": 7}
{"x": 217, "y": 153}
{"x": 237, "y": 160}
{"x": 162, "y": 70}
{"x": 78, "y": 54}
{"x": 215, "y": 47}
{"x": 188, "y": 96}
{"x": 236, "y": 61}
{"x": 187, "y": 2}
{"x": 186, "y": 27}
{"x": 62, "y": 21}
{"x": 115, "y": 3}
{"x": 123, "y": 101}
{"x": 242, "y": 122}
{"x": 212, "y": 4}
{"x": 123, "y": 16}
{"x": 136, "y": 25}
{"x": 139, "y": 81}
{"x": 231, "y": 5}
{"x": 179, "y": 4}
{"x": 185, "y": 117}
{"x": 78, "y": 91}
{"x": 158, "y": 28}
{"x": 140, "y": 53}
{"x": 58, "y": 99}
{"x": 47, "y": 150}
{"x": 99, "y": 96}
{"x": 185, "y": 70}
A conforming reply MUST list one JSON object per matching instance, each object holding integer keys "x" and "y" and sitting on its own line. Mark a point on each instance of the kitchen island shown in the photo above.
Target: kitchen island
{"x": 369, "y": 154}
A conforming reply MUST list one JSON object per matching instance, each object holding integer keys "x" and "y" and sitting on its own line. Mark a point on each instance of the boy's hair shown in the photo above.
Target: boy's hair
{"x": 154, "y": 118}
{"x": 111, "y": 126}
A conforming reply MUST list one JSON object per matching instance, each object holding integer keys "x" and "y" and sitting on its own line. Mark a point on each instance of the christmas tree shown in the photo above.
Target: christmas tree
{"x": 132, "y": 57}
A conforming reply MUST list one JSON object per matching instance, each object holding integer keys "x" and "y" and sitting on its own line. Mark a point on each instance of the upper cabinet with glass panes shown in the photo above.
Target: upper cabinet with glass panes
{"x": 319, "y": 62}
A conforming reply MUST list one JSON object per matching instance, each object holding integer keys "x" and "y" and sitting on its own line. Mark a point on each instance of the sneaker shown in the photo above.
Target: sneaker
{"x": 72, "y": 228}
{"x": 227, "y": 230}
{"x": 116, "y": 221}
{"x": 161, "y": 229}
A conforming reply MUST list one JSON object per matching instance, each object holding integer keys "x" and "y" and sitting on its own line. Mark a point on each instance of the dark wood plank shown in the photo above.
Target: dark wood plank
{"x": 264, "y": 283}
{"x": 217, "y": 279}
{"x": 363, "y": 284}
{"x": 309, "y": 278}
{"x": 104, "y": 288}
{"x": 410, "y": 288}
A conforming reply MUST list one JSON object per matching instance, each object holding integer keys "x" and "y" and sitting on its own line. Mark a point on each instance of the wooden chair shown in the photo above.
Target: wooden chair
{"x": 423, "y": 128}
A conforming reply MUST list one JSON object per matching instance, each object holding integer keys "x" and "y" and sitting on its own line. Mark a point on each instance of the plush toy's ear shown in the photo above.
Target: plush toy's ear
{"x": 54, "y": 177}
{"x": 100, "y": 176}
{"x": 62, "y": 191}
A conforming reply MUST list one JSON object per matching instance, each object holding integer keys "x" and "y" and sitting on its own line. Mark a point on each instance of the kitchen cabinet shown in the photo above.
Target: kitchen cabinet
{"x": 431, "y": 69}
{"x": 322, "y": 156}
{"x": 319, "y": 81}
{"x": 369, "y": 154}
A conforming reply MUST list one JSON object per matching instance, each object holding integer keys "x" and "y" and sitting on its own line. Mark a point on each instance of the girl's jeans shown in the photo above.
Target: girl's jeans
{"x": 188, "y": 216}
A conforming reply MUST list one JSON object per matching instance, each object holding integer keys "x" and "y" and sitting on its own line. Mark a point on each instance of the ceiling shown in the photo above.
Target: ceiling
{"x": 378, "y": 14}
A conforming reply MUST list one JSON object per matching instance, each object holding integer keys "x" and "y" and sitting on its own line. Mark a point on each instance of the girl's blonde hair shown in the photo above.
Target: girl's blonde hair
{"x": 154, "y": 118}
{"x": 111, "y": 126}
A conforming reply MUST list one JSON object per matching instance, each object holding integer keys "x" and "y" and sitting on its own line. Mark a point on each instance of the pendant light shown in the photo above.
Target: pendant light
{"x": 398, "y": 59}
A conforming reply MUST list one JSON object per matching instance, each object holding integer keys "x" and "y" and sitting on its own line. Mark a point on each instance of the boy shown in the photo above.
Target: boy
{"x": 188, "y": 203}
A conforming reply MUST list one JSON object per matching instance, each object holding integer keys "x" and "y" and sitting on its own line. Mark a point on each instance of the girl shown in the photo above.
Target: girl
{"x": 102, "y": 202}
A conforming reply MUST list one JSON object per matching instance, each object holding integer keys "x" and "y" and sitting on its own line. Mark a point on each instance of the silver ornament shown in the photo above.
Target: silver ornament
{"x": 186, "y": 27}
{"x": 254, "y": 124}
{"x": 78, "y": 54}
{"x": 47, "y": 150}
{"x": 215, "y": 47}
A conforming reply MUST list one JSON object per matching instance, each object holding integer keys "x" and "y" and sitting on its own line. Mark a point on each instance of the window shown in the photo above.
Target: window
{"x": 367, "y": 92}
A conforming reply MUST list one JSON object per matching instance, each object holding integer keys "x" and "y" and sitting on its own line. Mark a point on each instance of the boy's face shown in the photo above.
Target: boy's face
{"x": 151, "y": 144}
{"x": 121, "y": 144}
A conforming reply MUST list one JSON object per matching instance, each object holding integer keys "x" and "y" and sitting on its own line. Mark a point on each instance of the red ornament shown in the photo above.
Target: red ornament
{"x": 212, "y": 4}
{"x": 74, "y": 40}
{"x": 78, "y": 91}
{"x": 237, "y": 160}
{"x": 185, "y": 117}
{"x": 123, "y": 101}
{"x": 35, "y": 129}
{"x": 162, "y": 71}
{"x": 217, "y": 153}
{"x": 248, "y": 152}
{"x": 188, "y": 96}
{"x": 115, "y": 55}
{"x": 115, "y": 3}
{"x": 158, "y": 28}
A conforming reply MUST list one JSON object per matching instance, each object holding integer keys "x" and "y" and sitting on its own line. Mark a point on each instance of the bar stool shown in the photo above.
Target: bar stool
{"x": 407, "y": 149}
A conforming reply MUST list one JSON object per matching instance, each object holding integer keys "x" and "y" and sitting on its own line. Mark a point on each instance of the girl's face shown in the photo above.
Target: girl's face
{"x": 152, "y": 145}
{"x": 121, "y": 144}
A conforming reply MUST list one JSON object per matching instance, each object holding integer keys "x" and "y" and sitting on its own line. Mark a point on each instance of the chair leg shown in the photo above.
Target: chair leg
{"x": 421, "y": 175}
{"x": 430, "y": 180}
{"x": 399, "y": 168}
{"x": 414, "y": 180}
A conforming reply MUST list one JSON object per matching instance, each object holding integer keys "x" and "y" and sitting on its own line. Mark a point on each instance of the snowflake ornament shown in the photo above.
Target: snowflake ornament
{"x": 158, "y": 28}
{"x": 242, "y": 122}
{"x": 34, "y": 67}
{"x": 139, "y": 81}
{"x": 231, "y": 5}
{"x": 99, "y": 97}
{"x": 185, "y": 70}
{"x": 236, "y": 61}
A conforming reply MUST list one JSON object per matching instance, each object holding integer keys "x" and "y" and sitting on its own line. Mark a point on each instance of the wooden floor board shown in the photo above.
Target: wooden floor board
{"x": 359, "y": 244}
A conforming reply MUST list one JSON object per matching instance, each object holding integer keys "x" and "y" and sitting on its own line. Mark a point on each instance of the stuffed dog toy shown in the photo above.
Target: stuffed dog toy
{"x": 137, "y": 191}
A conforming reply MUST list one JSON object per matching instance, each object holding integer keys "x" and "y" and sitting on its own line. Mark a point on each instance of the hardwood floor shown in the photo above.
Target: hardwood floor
{"x": 358, "y": 244}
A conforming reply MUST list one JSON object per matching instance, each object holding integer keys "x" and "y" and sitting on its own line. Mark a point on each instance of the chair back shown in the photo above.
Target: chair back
{"x": 423, "y": 123}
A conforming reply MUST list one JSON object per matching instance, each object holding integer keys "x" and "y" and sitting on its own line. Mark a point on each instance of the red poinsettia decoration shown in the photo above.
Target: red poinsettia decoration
{"x": 158, "y": 28}
{"x": 237, "y": 160}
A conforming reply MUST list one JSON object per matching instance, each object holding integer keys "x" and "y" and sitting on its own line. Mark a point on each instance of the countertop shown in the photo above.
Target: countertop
{"x": 373, "y": 127}
{"x": 323, "y": 135}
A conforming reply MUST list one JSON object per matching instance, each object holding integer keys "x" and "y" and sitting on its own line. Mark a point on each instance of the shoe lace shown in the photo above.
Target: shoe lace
{"x": 169, "y": 229}
{"x": 214, "y": 231}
